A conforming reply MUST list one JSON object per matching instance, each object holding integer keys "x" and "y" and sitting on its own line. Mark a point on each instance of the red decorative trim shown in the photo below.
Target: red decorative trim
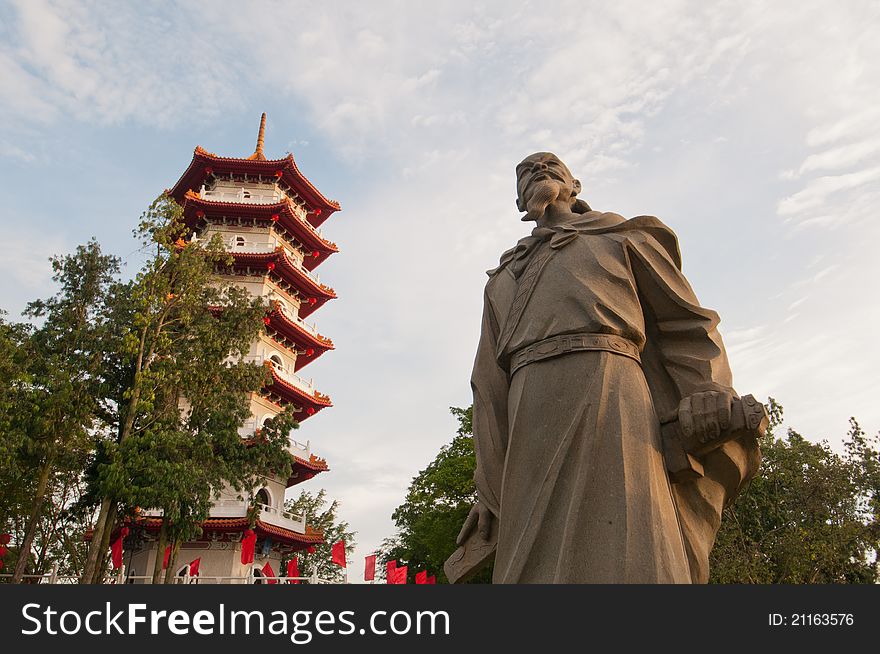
{"x": 197, "y": 209}
{"x": 196, "y": 174}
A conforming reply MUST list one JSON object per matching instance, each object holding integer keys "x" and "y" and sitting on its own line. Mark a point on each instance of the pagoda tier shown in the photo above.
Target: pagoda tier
{"x": 283, "y": 172}
{"x": 231, "y": 529}
{"x": 285, "y": 390}
{"x": 295, "y": 335}
{"x": 199, "y": 212}
{"x": 286, "y": 273}
{"x": 302, "y": 470}
{"x": 303, "y": 464}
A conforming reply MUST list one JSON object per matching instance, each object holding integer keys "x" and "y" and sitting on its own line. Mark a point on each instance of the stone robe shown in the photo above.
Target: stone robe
{"x": 569, "y": 457}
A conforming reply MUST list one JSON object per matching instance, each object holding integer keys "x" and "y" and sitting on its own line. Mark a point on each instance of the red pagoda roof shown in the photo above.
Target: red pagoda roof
{"x": 303, "y": 470}
{"x": 313, "y": 294}
{"x": 309, "y": 345}
{"x": 283, "y": 392}
{"x": 205, "y": 163}
{"x": 226, "y": 525}
{"x": 196, "y": 209}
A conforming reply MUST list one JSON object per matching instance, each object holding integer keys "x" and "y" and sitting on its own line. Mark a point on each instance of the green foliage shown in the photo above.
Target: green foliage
{"x": 437, "y": 503}
{"x": 178, "y": 388}
{"x": 46, "y": 439}
{"x": 810, "y": 516}
{"x": 323, "y": 518}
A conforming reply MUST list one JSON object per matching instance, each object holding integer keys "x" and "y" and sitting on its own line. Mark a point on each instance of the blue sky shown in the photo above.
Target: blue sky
{"x": 752, "y": 129}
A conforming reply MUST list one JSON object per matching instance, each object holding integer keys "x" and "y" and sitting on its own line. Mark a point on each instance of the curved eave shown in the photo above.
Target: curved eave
{"x": 197, "y": 173}
{"x": 196, "y": 210}
{"x": 303, "y": 470}
{"x": 280, "y": 266}
{"x": 302, "y": 339}
{"x": 287, "y": 393}
{"x": 232, "y": 525}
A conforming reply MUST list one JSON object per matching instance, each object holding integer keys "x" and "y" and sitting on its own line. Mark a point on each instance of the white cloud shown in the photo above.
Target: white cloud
{"x": 431, "y": 108}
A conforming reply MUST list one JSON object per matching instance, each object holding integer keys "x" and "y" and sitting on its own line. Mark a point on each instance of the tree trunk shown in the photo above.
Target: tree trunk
{"x": 101, "y": 567}
{"x": 95, "y": 544}
{"x": 160, "y": 553}
{"x": 24, "y": 551}
{"x": 172, "y": 564}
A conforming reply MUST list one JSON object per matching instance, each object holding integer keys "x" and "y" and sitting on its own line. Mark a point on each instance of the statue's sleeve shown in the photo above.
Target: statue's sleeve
{"x": 490, "y": 386}
{"x": 684, "y": 334}
{"x": 683, "y": 355}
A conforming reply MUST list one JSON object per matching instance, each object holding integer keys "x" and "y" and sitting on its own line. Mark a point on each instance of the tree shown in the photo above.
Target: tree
{"x": 437, "y": 503}
{"x": 323, "y": 518}
{"x": 810, "y": 516}
{"x": 55, "y": 410}
{"x": 177, "y": 389}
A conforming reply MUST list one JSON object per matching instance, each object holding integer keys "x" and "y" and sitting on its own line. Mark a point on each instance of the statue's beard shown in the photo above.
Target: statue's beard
{"x": 542, "y": 195}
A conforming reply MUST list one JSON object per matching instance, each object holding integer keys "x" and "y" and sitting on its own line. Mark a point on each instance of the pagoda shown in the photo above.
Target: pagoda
{"x": 269, "y": 216}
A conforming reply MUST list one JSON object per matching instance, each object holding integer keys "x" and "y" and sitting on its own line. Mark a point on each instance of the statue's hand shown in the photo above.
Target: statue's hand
{"x": 481, "y": 518}
{"x": 705, "y": 416}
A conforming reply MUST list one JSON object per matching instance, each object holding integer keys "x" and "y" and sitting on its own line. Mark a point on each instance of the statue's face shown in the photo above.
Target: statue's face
{"x": 540, "y": 170}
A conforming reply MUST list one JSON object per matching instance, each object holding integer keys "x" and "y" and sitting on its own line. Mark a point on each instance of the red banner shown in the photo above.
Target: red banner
{"x": 390, "y": 567}
{"x": 293, "y": 570}
{"x": 194, "y": 567}
{"x": 269, "y": 572}
{"x": 116, "y": 549}
{"x": 400, "y": 575}
{"x": 167, "y": 558}
{"x": 338, "y": 552}
{"x": 370, "y": 568}
{"x": 422, "y": 577}
{"x": 247, "y": 547}
{"x": 432, "y": 580}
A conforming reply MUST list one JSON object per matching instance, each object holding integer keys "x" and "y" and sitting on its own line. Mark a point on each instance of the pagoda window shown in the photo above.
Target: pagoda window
{"x": 263, "y": 497}
{"x": 240, "y": 241}
{"x": 277, "y": 362}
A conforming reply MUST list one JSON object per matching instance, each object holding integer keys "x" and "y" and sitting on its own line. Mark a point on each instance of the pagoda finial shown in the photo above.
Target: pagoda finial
{"x": 258, "y": 153}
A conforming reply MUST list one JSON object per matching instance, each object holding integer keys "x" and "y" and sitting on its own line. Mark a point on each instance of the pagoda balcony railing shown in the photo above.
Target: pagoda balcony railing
{"x": 252, "y": 197}
{"x": 309, "y": 327}
{"x": 235, "y": 508}
{"x": 260, "y": 248}
{"x": 247, "y": 196}
{"x": 286, "y": 375}
{"x": 302, "y": 450}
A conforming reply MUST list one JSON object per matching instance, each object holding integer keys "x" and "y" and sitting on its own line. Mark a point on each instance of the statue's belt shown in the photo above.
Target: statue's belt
{"x": 558, "y": 345}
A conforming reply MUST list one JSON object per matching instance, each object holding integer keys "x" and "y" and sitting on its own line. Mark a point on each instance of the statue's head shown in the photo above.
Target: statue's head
{"x": 542, "y": 179}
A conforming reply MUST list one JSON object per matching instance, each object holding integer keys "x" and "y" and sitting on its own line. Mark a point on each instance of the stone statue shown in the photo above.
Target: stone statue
{"x": 607, "y": 432}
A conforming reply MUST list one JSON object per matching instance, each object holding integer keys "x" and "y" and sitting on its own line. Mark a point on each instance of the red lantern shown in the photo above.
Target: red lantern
{"x": 310, "y": 351}
{"x": 310, "y": 549}
{"x": 209, "y": 171}
{"x": 317, "y": 212}
{"x": 275, "y": 217}
{"x": 278, "y": 173}
{"x": 271, "y": 265}
{"x": 200, "y": 214}
{"x": 266, "y": 320}
{"x": 316, "y": 253}
{"x": 313, "y": 301}
{"x": 311, "y": 411}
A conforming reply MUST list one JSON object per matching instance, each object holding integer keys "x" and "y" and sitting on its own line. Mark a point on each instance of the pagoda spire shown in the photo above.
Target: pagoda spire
{"x": 258, "y": 153}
